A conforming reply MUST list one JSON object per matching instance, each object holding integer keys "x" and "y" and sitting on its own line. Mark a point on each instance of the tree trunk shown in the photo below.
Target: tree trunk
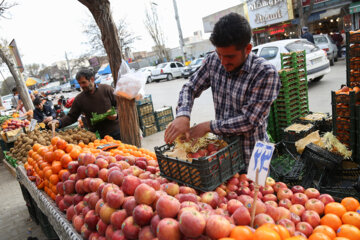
{"x": 20, "y": 84}
{"x": 129, "y": 126}
{"x": 128, "y": 113}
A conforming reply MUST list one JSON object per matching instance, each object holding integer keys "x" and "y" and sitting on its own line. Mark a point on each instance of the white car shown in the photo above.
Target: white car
{"x": 168, "y": 71}
{"x": 326, "y": 43}
{"x": 106, "y": 79}
{"x": 147, "y": 72}
{"x": 317, "y": 64}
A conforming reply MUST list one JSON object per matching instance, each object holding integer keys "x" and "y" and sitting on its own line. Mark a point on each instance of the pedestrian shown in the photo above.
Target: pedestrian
{"x": 307, "y": 35}
{"x": 338, "y": 39}
{"x": 42, "y": 112}
{"x": 93, "y": 99}
{"x": 243, "y": 87}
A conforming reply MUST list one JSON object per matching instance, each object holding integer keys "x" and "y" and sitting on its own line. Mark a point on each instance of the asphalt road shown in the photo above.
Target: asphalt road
{"x": 166, "y": 93}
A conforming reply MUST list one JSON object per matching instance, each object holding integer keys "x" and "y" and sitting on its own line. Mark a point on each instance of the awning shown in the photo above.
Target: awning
{"x": 354, "y": 7}
{"x": 32, "y": 81}
{"x": 330, "y": 13}
{"x": 105, "y": 70}
{"x": 319, "y": 15}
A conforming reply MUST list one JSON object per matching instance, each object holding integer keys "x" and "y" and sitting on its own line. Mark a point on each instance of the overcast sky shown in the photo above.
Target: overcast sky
{"x": 45, "y": 29}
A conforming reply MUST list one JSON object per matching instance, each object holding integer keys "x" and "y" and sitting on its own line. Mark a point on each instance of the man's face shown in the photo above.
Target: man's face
{"x": 40, "y": 106}
{"x": 231, "y": 57}
{"x": 86, "y": 85}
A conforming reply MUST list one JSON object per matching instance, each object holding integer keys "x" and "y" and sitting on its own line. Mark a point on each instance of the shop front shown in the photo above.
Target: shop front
{"x": 354, "y": 10}
{"x": 270, "y": 20}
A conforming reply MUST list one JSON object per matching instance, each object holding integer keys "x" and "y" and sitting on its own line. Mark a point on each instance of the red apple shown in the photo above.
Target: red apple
{"x": 108, "y": 187}
{"x": 168, "y": 228}
{"x": 114, "y": 198}
{"x": 182, "y": 197}
{"x": 98, "y": 206}
{"x": 286, "y": 203}
{"x": 270, "y": 182}
{"x": 89, "y": 158}
{"x": 142, "y": 214}
{"x": 93, "y": 199}
{"x": 116, "y": 177}
{"x": 78, "y": 222}
{"x": 118, "y": 235}
{"x": 261, "y": 219}
{"x": 232, "y": 205}
{"x": 260, "y": 206}
{"x": 312, "y": 193}
{"x": 101, "y": 163}
{"x": 129, "y": 184}
{"x": 73, "y": 166}
{"x": 269, "y": 197}
{"x": 154, "y": 222}
{"x": 244, "y": 198}
{"x": 211, "y": 198}
{"x": 316, "y": 205}
{"x": 101, "y": 227}
{"x": 267, "y": 190}
{"x": 192, "y": 223}
{"x": 91, "y": 219}
{"x": 299, "y": 198}
{"x": 60, "y": 188}
{"x": 70, "y": 212}
{"x": 144, "y": 194}
{"x": 279, "y": 185}
{"x": 146, "y": 234}
{"x": 272, "y": 203}
{"x": 184, "y": 189}
{"x": 167, "y": 207}
{"x": 92, "y": 170}
{"x": 103, "y": 174}
{"x": 288, "y": 224}
{"x": 95, "y": 183}
{"x": 221, "y": 192}
{"x": 77, "y": 198}
{"x": 298, "y": 189}
{"x": 81, "y": 172}
{"x": 326, "y": 198}
{"x": 259, "y": 194}
{"x": 272, "y": 211}
{"x": 241, "y": 216}
{"x": 230, "y": 195}
{"x": 69, "y": 187}
{"x": 189, "y": 204}
{"x": 295, "y": 218}
{"x": 129, "y": 205}
{"x": 85, "y": 232}
{"x": 171, "y": 188}
{"x": 118, "y": 217}
{"x": 298, "y": 209}
{"x": 217, "y": 227}
{"x": 109, "y": 232}
{"x": 311, "y": 217}
{"x": 86, "y": 185}
{"x": 79, "y": 207}
{"x": 130, "y": 228}
{"x": 284, "y": 193}
{"x": 305, "y": 228}
{"x": 284, "y": 213}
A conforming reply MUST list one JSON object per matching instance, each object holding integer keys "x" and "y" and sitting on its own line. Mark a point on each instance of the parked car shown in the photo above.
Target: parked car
{"x": 6, "y": 101}
{"x": 193, "y": 67}
{"x": 326, "y": 43}
{"x": 317, "y": 64}
{"x": 168, "y": 71}
{"x": 147, "y": 72}
{"x": 105, "y": 79}
{"x": 66, "y": 87}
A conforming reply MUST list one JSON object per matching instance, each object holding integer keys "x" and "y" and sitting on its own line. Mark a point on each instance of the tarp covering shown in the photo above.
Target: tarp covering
{"x": 106, "y": 70}
{"x": 32, "y": 81}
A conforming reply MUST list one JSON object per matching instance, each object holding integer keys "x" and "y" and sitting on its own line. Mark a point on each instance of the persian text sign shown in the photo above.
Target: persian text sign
{"x": 260, "y": 159}
{"x": 267, "y": 12}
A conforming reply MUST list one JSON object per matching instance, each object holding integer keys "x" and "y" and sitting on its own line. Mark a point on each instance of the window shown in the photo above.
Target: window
{"x": 301, "y": 45}
{"x": 269, "y": 52}
{"x": 173, "y": 65}
{"x": 179, "y": 65}
{"x": 320, "y": 39}
{"x": 161, "y": 65}
{"x": 255, "y": 51}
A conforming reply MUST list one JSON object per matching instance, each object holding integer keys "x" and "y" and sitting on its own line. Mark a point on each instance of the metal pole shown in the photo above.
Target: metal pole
{"x": 181, "y": 40}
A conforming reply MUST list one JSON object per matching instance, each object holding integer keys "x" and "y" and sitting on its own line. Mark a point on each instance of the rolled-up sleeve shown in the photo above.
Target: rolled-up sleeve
{"x": 198, "y": 83}
{"x": 263, "y": 91}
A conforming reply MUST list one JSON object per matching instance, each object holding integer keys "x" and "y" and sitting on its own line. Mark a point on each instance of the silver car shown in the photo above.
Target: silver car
{"x": 326, "y": 43}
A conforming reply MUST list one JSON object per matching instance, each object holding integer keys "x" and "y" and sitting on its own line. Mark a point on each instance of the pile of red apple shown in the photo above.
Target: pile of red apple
{"x": 120, "y": 197}
{"x": 13, "y": 123}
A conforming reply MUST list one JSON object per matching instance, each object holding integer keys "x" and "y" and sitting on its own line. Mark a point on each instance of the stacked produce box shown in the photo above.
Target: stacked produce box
{"x": 163, "y": 117}
{"x": 146, "y": 115}
{"x": 353, "y": 58}
{"x": 292, "y": 101}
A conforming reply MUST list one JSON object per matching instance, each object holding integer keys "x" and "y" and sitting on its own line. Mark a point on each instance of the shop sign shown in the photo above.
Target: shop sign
{"x": 307, "y": 2}
{"x": 277, "y": 31}
{"x": 267, "y": 12}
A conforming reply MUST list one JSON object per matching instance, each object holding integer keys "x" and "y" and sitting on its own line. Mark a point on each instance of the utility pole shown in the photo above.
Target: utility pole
{"x": 68, "y": 65}
{"x": 181, "y": 40}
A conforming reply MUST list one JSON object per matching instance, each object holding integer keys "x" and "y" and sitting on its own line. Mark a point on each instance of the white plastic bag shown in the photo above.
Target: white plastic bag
{"x": 130, "y": 84}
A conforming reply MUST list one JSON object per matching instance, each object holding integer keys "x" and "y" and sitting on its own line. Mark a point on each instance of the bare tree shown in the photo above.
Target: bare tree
{"x": 33, "y": 69}
{"x": 127, "y": 38}
{"x": 129, "y": 125}
{"x": 152, "y": 25}
{"x": 4, "y": 6}
{"x": 304, "y": 15}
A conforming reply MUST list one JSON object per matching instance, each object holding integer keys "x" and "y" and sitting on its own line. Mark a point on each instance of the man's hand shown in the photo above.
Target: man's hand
{"x": 112, "y": 117}
{"x": 181, "y": 125}
{"x": 56, "y": 122}
{"x": 199, "y": 130}
{"x": 48, "y": 119}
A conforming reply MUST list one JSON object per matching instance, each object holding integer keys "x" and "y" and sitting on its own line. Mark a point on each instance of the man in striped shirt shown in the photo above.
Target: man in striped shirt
{"x": 243, "y": 87}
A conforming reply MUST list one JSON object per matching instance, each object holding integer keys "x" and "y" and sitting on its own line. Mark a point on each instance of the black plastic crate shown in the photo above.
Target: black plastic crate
{"x": 205, "y": 173}
{"x": 145, "y": 100}
{"x": 145, "y": 109}
{"x": 323, "y": 125}
{"x": 5, "y": 146}
{"x": 293, "y": 136}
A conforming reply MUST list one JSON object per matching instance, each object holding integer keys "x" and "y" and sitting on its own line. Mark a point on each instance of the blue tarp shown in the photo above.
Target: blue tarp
{"x": 104, "y": 71}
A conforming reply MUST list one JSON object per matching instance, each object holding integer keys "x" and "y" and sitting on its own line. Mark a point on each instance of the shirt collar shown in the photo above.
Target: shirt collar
{"x": 243, "y": 68}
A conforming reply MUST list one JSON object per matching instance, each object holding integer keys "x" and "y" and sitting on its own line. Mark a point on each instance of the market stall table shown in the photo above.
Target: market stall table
{"x": 56, "y": 218}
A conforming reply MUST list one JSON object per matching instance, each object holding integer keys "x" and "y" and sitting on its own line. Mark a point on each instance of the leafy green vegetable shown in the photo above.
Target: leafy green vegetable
{"x": 101, "y": 117}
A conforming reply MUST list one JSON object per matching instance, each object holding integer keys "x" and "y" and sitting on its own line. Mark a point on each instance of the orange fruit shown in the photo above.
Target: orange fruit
{"x": 69, "y": 148}
{"x": 57, "y": 154}
{"x": 325, "y": 230}
{"x": 56, "y": 167}
{"x": 349, "y": 231}
{"x": 296, "y": 238}
{"x": 331, "y": 220}
{"x": 319, "y": 236}
{"x": 352, "y": 218}
{"x": 241, "y": 233}
{"x": 283, "y": 232}
{"x": 335, "y": 208}
{"x": 74, "y": 154}
{"x": 65, "y": 160}
{"x": 30, "y": 152}
{"x": 54, "y": 140}
{"x": 266, "y": 233}
{"x": 340, "y": 238}
{"x": 358, "y": 210}
{"x": 350, "y": 203}
{"x": 61, "y": 144}
{"x": 48, "y": 157}
{"x": 36, "y": 147}
{"x": 54, "y": 179}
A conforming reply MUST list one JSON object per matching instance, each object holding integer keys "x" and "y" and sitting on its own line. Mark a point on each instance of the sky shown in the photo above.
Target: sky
{"x": 45, "y": 29}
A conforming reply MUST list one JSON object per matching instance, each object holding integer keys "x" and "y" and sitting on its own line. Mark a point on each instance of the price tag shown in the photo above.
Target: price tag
{"x": 260, "y": 159}
{"x": 32, "y": 124}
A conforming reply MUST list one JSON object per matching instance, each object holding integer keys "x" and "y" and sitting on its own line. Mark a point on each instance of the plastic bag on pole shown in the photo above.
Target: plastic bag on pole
{"x": 130, "y": 84}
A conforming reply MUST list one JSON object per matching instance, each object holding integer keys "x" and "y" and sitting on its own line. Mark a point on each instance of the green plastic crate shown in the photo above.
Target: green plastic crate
{"x": 147, "y": 120}
{"x": 165, "y": 111}
{"x": 145, "y": 109}
{"x": 149, "y": 130}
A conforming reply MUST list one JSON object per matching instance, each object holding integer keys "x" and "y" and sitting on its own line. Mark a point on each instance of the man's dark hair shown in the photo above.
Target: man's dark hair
{"x": 37, "y": 101}
{"x": 85, "y": 72}
{"x": 14, "y": 90}
{"x": 231, "y": 29}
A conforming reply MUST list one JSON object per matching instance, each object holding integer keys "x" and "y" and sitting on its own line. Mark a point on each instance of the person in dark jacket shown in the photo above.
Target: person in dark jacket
{"x": 92, "y": 99}
{"x": 307, "y": 35}
{"x": 43, "y": 112}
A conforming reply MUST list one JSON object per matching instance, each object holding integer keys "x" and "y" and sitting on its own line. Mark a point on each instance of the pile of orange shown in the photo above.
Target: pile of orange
{"x": 340, "y": 222}
{"x": 46, "y": 164}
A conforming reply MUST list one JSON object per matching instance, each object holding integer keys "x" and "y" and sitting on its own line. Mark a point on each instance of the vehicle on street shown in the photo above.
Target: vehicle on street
{"x": 105, "y": 79}
{"x": 6, "y": 101}
{"x": 326, "y": 43}
{"x": 66, "y": 87}
{"x": 168, "y": 71}
{"x": 147, "y": 72}
{"x": 193, "y": 67}
{"x": 317, "y": 64}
